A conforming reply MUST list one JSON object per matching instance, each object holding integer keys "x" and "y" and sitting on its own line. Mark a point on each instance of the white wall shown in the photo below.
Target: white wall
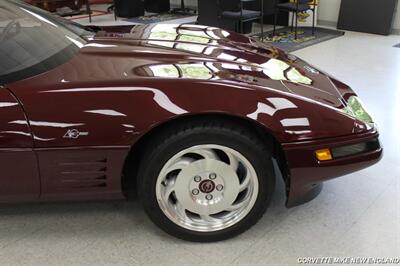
{"x": 189, "y": 3}
{"x": 397, "y": 19}
{"x": 329, "y": 12}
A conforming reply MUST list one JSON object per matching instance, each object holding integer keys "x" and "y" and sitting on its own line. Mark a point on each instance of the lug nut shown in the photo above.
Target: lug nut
{"x": 195, "y": 191}
{"x": 197, "y": 178}
{"x": 220, "y": 187}
{"x": 209, "y": 197}
{"x": 212, "y": 176}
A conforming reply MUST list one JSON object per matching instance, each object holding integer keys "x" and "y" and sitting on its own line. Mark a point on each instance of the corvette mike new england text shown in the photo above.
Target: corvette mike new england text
{"x": 348, "y": 260}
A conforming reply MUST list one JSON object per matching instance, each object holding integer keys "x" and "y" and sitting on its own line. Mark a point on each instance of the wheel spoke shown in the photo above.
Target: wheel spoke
{"x": 237, "y": 206}
{"x": 245, "y": 183}
{"x": 208, "y": 218}
{"x": 180, "y": 164}
{"x": 180, "y": 210}
{"x": 207, "y": 154}
{"x": 233, "y": 161}
{"x": 169, "y": 189}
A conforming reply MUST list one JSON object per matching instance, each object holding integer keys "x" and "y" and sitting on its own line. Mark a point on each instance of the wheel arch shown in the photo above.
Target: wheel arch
{"x": 132, "y": 161}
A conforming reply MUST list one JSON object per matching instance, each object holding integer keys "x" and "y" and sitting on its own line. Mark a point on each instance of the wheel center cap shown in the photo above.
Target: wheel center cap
{"x": 207, "y": 186}
{"x": 221, "y": 200}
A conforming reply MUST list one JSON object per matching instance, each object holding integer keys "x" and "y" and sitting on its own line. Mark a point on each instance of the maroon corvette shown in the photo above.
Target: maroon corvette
{"x": 196, "y": 119}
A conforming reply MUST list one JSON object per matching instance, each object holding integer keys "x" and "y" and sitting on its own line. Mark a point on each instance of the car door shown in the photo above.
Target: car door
{"x": 19, "y": 177}
{"x": 34, "y": 46}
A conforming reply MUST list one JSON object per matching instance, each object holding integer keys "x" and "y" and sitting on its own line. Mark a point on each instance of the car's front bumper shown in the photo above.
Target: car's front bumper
{"x": 306, "y": 174}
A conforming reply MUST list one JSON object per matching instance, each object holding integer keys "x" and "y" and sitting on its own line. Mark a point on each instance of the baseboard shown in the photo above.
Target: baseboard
{"x": 327, "y": 23}
{"x": 396, "y": 31}
{"x": 334, "y": 24}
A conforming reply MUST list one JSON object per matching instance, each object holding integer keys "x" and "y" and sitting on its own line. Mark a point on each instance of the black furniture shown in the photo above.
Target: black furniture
{"x": 295, "y": 8}
{"x": 241, "y": 15}
{"x": 157, "y": 6}
{"x": 129, "y": 8}
{"x": 183, "y": 9}
{"x": 109, "y": 9}
{"x": 371, "y": 16}
{"x": 269, "y": 12}
{"x": 209, "y": 14}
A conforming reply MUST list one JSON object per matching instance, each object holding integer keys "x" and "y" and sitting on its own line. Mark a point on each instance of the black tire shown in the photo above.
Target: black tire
{"x": 221, "y": 132}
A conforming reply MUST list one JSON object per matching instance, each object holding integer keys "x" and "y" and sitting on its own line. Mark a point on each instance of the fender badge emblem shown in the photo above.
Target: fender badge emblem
{"x": 74, "y": 134}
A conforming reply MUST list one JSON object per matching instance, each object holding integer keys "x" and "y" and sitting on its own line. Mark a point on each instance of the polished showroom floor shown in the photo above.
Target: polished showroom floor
{"x": 354, "y": 216}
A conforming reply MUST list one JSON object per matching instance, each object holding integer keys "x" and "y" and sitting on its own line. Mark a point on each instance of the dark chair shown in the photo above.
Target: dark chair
{"x": 242, "y": 15}
{"x": 183, "y": 9}
{"x": 89, "y": 10}
{"x": 157, "y": 6}
{"x": 295, "y": 8}
{"x": 129, "y": 8}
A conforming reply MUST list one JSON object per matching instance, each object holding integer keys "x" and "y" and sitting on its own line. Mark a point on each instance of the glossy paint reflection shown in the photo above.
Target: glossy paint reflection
{"x": 276, "y": 104}
{"x": 106, "y": 112}
{"x": 100, "y": 121}
{"x": 8, "y": 104}
{"x": 155, "y": 73}
{"x": 220, "y": 61}
{"x": 45, "y": 124}
{"x": 159, "y": 97}
{"x": 12, "y": 135}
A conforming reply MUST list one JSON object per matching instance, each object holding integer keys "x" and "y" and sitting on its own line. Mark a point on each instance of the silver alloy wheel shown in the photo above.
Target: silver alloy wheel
{"x": 207, "y": 188}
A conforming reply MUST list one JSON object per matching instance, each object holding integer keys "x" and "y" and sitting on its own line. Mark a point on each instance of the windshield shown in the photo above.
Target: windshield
{"x": 33, "y": 41}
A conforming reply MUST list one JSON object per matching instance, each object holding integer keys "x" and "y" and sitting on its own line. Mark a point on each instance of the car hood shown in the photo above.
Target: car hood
{"x": 209, "y": 53}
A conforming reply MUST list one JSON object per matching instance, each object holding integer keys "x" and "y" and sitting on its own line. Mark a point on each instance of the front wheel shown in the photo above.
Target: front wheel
{"x": 206, "y": 182}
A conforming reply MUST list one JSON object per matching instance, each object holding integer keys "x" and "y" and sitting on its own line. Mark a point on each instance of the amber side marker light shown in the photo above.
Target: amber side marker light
{"x": 323, "y": 155}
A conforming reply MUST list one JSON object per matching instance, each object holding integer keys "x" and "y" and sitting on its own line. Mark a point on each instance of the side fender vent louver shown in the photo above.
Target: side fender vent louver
{"x": 80, "y": 172}
{"x": 88, "y": 174}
